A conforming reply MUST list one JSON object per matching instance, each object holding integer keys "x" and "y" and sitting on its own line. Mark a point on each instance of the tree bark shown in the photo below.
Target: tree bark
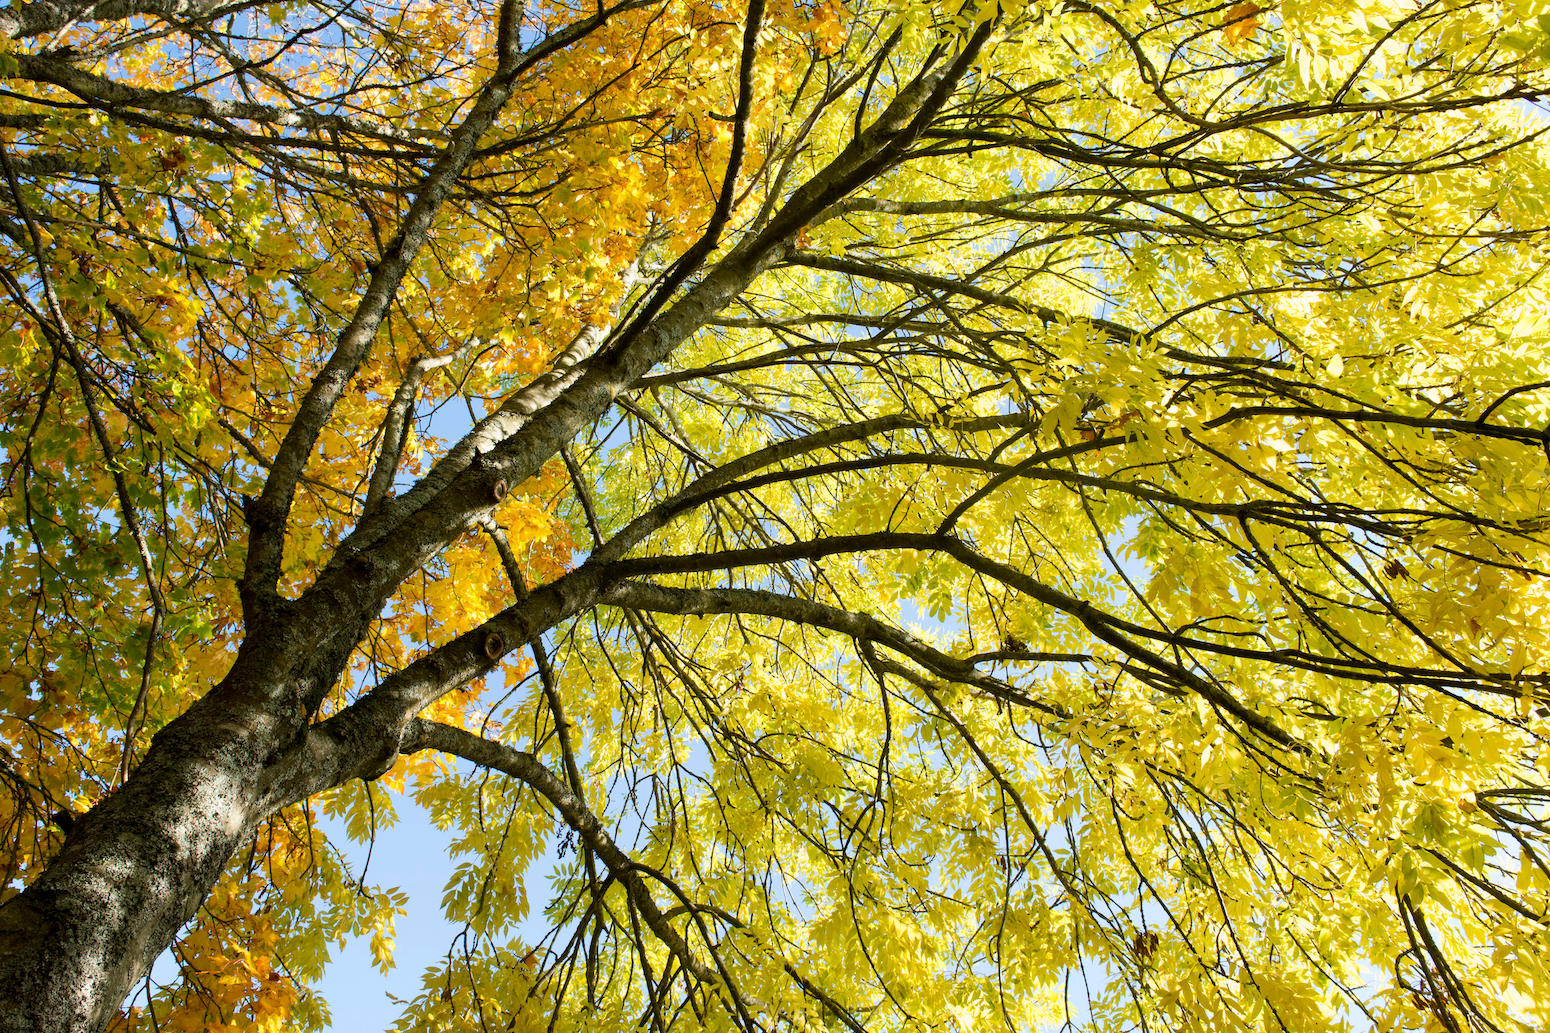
{"x": 135, "y": 868}
{"x": 20, "y": 20}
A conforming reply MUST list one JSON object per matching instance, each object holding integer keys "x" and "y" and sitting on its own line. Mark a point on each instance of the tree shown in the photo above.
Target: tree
{"x": 1023, "y": 515}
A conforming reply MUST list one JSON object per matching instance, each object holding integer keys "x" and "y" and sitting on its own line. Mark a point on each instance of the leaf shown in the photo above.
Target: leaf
{"x": 844, "y": 515}
{"x": 1240, "y": 23}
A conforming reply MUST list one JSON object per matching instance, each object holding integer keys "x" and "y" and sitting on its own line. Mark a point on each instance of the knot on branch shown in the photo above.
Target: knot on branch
{"x": 379, "y": 767}
{"x": 255, "y": 514}
{"x": 384, "y": 759}
{"x": 494, "y": 645}
{"x": 360, "y": 564}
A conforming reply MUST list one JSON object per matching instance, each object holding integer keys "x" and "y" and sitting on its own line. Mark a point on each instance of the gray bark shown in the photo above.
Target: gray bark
{"x": 42, "y": 16}
{"x": 136, "y": 867}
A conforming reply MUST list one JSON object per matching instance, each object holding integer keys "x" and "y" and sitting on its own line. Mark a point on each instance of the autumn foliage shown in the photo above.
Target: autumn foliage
{"x": 1028, "y": 513}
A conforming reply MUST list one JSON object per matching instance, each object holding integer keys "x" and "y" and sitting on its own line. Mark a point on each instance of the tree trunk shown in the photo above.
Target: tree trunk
{"x": 135, "y": 868}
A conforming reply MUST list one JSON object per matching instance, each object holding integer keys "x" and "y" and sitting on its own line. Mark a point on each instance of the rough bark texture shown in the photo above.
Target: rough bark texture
{"x": 21, "y": 20}
{"x": 138, "y": 865}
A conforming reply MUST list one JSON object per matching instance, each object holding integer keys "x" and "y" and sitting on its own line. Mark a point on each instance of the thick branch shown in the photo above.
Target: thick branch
{"x": 395, "y": 429}
{"x": 859, "y": 626}
{"x": 1118, "y": 633}
{"x": 272, "y": 510}
{"x": 21, "y": 19}
{"x": 109, "y": 95}
{"x": 420, "y": 526}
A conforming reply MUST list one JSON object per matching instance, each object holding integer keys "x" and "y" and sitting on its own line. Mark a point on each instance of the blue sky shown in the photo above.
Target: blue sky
{"x": 411, "y": 855}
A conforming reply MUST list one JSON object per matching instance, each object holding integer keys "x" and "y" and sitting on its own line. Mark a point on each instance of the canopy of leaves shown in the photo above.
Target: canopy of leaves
{"x": 1078, "y": 557}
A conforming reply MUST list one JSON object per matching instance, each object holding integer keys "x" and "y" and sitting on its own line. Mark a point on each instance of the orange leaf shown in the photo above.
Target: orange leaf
{"x": 1241, "y": 22}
